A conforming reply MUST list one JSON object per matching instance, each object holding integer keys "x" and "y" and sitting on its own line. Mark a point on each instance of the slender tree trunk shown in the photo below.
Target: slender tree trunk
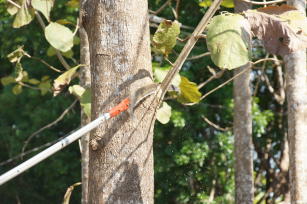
{"x": 121, "y": 161}
{"x": 85, "y": 81}
{"x": 244, "y": 193}
{"x": 295, "y": 64}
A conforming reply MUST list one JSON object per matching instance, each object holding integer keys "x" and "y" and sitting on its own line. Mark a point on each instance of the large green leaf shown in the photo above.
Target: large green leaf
{"x": 189, "y": 92}
{"x": 59, "y": 36}
{"x": 43, "y": 6}
{"x": 24, "y": 15}
{"x": 164, "y": 113}
{"x": 161, "y": 72}
{"x": 166, "y": 35}
{"x": 228, "y": 40}
{"x": 63, "y": 80}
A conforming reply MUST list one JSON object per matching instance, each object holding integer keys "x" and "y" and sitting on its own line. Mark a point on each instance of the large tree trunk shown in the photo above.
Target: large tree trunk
{"x": 242, "y": 128}
{"x": 85, "y": 81}
{"x": 295, "y": 64}
{"x": 121, "y": 161}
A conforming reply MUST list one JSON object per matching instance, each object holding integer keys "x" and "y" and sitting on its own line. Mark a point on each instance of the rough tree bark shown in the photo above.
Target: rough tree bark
{"x": 85, "y": 81}
{"x": 121, "y": 168}
{"x": 295, "y": 65}
{"x": 242, "y": 126}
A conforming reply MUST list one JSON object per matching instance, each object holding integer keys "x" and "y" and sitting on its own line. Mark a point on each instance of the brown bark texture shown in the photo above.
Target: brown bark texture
{"x": 121, "y": 168}
{"x": 296, "y": 91}
{"x": 242, "y": 126}
{"x": 85, "y": 81}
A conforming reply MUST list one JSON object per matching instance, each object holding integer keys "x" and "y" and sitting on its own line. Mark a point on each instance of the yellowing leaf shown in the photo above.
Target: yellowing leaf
{"x": 164, "y": 113}
{"x": 59, "y": 36}
{"x": 43, "y": 6}
{"x": 24, "y": 15}
{"x": 165, "y": 37}
{"x": 7, "y": 80}
{"x": 64, "y": 22}
{"x": 161, "y": 72}
{"x": 17, "y": 89}
{"x": 228, "y": 40}
{"x": 76, "y": 90}
{"x": 189, "y": 91}
{"x": 18, "y": 72}
{"x": 17, "y": 54}
{"x": 11, "y": 9}
{"x": 85, "y": 102}
{"x": 63, "y": 80}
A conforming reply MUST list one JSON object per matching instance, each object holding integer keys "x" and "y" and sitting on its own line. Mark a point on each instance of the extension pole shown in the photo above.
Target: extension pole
{"x": 63, "y": 142}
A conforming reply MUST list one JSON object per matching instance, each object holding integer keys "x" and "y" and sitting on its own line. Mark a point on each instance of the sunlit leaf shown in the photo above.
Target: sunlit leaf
{"x": 17, "y": 89}
{"x": 189, "y": 92}
{"x": 7, "y": 80}
{"x": 161, "y": 72}
{"x": 225, "y": 3}
{"x": 18, "y": 72}
{"x": 43, "y": 6}
{"x": 24, "y": 15}
{"x": 228, "y": 40}
{"x": 166, "y": 35}
{"x": 85, "y": 102}
{"x": 76, "y": 90}
{"x": 11, "y": 9}
{"x": 59, "y": 36}
{"x": 63, "y": 80}
{"x": 164, "y": 113}
{"x": 17, "y": 54}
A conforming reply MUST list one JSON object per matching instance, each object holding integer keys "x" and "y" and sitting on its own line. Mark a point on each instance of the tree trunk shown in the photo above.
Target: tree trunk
{"x": 242, "y": 128}
{"x": 85, "y": 81}
{"x": 295, "y": 64}
{"x": 121, "y": 161}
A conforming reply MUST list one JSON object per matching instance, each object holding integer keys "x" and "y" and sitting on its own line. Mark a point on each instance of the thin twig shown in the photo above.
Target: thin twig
{"x": 158, "y": 20}
{"x": 199, "y": 56}
{"x": 48, "y": 125}
{"x": 221, "y": 85}
{"x": 166, "y": 59}
{"x": 45, "y": 63}
{"x": 177, "y": 8}
{"x": 187, "y": 48}
{"x": 28, "y": 86}
{"x": 13, "y": 3}
{"x": 215, "y": 76}
{"x": 161, "y": 8}
{"x": 215, "y": 125}
{"x": 258, "y": 81}
{"x": 266, "y": 59}
{"x": 30, "y": 151}
{"x": 264, "y": 3}
{"x": 77, "y": 27}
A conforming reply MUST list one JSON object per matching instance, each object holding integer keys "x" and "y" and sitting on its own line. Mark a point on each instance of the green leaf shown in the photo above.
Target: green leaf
{"x": 189, "y": 91}
{"x": 164, "y": 113}
{"x": 166, "y": 35}
{"x": 76, "y": 90}
{"x": 85, "y": 102}
{"x": 45, "y": 85}
{"x": 24, "y": 15}
{"x": 51, "y": 51}
{"x": 17, "y": 89}
{"x": 18, "y": 72}
{"x": 64, "y": 22}
{"x": 17, "y": 54}
{"x": 59, "y": 36}
{"x": 34, "y": 81}
{"x": 161, "y": 72}
{"x": 43, "y": 6}
{"x": 63, "y": 80}
{"x": 7, "y": 80}
{"x": 225, "y": 3}
{"x": 11, "y": 9}
{"x": 69, "y": 54}
{"x": 73, "y": 3}
{"x": 228, "y": 40}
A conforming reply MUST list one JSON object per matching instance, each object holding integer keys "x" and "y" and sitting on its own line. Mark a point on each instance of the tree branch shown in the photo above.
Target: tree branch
{"x": 264, "y": 3}
{"x": 47, "y": 126}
